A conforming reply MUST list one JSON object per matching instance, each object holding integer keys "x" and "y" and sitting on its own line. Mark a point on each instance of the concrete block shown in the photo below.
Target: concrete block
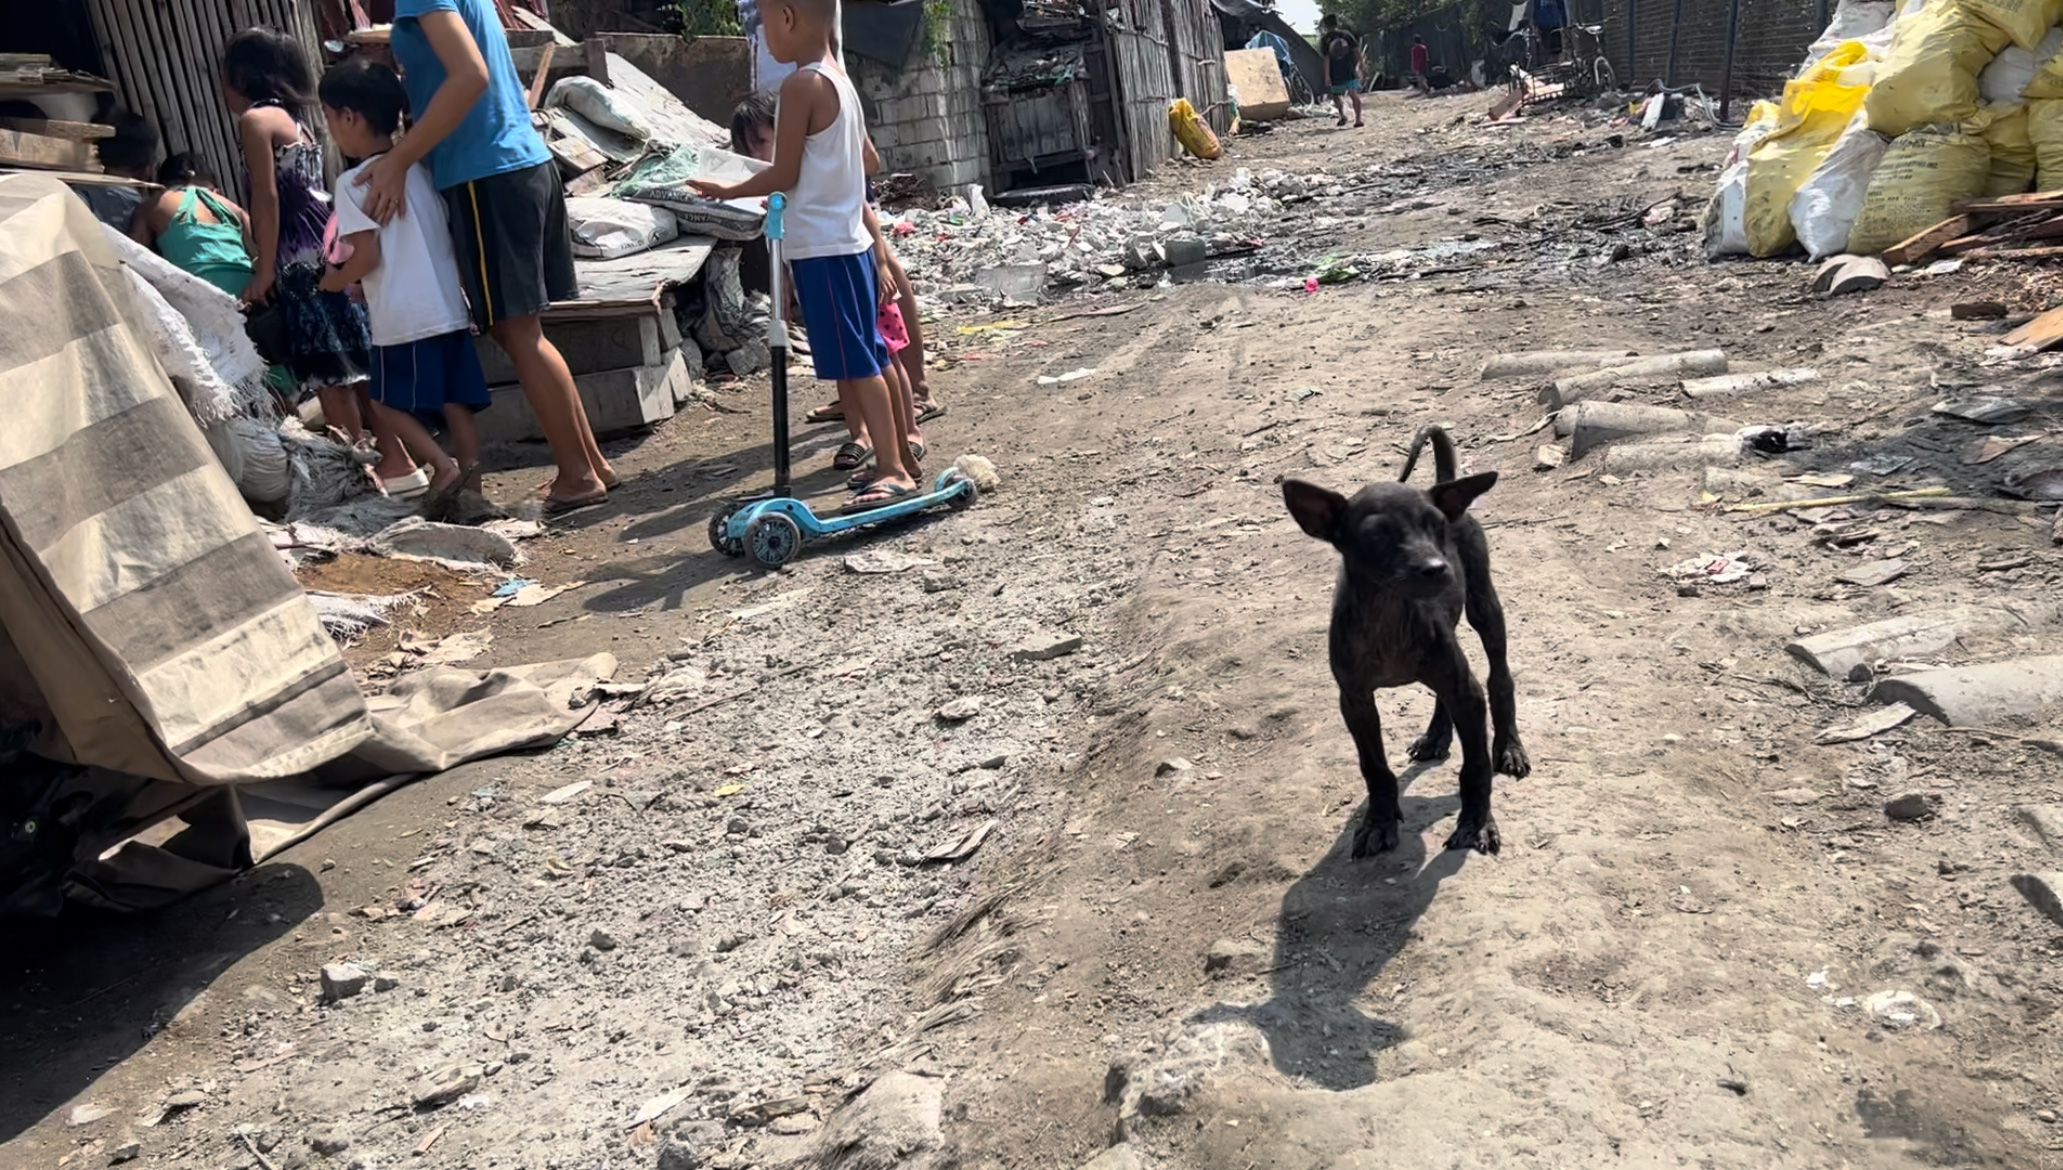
{"x": 1838, "y": 652}
{"x": 589, "y": 347}
{"x": 1973, "y": 696}
{"x": 617, "y": 401}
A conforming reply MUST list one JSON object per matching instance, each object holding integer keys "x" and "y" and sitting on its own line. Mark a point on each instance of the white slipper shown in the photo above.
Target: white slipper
{"x": 410, "y": 486}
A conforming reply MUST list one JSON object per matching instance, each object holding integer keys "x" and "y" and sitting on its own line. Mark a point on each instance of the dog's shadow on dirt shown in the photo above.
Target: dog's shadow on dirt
{"x": 1341, "y": 924}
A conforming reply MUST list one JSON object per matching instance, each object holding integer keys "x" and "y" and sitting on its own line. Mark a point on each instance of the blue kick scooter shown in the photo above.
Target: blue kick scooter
{"x": 773, "y": 528}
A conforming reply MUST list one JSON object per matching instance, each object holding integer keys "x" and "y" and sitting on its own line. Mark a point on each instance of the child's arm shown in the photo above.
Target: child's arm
{"x": 465, "y": 80}
{"x": 365, "y": 256}
{"x": 869, "y": 157}
{"x": 801, "y": 100}
{"x": 257, "y": 144}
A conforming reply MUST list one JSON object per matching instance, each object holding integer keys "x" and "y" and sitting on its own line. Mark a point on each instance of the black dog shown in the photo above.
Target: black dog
{"x": 1394, "y": 614}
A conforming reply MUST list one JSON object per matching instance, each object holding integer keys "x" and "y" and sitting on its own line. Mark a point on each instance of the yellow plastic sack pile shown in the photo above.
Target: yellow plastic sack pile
{"x": 1814, "y": 111}
{"x": 1192, "y": 131}
{"x": 2013, "y": 160}
{"x": 2025, "y": 21}
{"x": 1922, "y": 174}
{"x": 1930, "y": 74}
{"x": 2045, "y": 131}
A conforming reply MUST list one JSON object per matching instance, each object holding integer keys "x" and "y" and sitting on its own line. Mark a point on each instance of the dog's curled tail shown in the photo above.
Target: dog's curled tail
{"x": 1444, "y": 463}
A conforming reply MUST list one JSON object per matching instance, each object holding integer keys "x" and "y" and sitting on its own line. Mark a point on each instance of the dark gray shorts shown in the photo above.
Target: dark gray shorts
{"x": 515, "y": 250}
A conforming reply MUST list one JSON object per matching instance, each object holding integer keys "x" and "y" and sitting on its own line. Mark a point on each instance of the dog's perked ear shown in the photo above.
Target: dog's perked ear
{"x": 1453, "y": 497}
{"x": 1317, "y": 510}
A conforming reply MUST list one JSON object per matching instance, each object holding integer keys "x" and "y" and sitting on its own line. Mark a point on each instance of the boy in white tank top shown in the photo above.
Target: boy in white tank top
{"x": 821, "y": 159}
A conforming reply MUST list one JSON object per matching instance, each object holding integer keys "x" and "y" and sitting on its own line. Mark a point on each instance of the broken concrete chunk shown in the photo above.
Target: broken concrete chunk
{"x": 448, "y": 1084}
{"x": 1021, "y": 283}
{"x": 1047, "y": 646}
{"x": 343, "y": 980}
{"x": 1910, "y": 807}
{"x": 1540, "y": 363}
{"x": 1668, "y": 367}
{"x": 1729, "y": 385}
{"x": 898, "y": 1121}
{"x": 127, "y": 1151}
{"x": 1547, "y": 458}
{"x": 1594, "y": 424}
{"x": 960, "y": 710}
{"x": 1974, "y": 696}
{"x": 2044, "y": 890}
{"x": 2047, "y": 822}
{"x": 1708, "y": 452}
{"x": 1842, "y": 275}
{"x": 1115, "y": 1158}
{"x": 1872, "y": 573}
{"x": 1837, "y": 652}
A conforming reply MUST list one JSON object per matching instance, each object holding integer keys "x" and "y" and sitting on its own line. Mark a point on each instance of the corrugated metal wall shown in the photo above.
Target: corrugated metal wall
{"x": 165, "y": 57}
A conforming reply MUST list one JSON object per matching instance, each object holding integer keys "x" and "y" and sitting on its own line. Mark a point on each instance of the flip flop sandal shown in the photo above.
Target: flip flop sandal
{"x": 918, "y": 449}
{"x": 860, "y": 480}
{"x": 883, "y": 494}
{"x": 554, "y": 506}
{"x": 437, "y": 502}
{"x": 850, "y": 455}
{"x": 825, "y": 414}
{"x": 410, "y": 486}
{"x": 926, "y": 411}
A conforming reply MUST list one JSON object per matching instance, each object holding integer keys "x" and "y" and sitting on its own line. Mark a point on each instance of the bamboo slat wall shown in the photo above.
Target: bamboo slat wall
{"x": 165, "y": 56}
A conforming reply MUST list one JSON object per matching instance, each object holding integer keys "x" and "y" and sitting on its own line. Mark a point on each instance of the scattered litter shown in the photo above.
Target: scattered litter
{"x": 1724, "y": 569}
{"x": 1875, "y": 723}
{"x": 1070, "y": 376}
{"x": 566, "y": 793}
{"x": 961, "y": 848}
{"x": 1992, "y": 448}
{"x": 1902, "y": 1011}
{"x": 1874, "y": 573}
{"x": 1983, "y": 410}
{"x": 534, "y": 594}
{"x": 1883, "y": 464}
{"x": 2046, "y": 484}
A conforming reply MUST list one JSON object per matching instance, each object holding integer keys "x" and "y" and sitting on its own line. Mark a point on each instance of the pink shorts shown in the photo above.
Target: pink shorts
{"x": 890, "y": 321}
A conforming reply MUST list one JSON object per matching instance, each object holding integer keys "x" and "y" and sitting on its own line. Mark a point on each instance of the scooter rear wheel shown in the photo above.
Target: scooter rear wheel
{"x": 720, "y": 538}
{"x": 773, "y": 539}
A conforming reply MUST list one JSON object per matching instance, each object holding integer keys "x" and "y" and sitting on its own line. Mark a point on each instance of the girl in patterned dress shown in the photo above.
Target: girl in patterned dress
{"x": 266, "y": 83}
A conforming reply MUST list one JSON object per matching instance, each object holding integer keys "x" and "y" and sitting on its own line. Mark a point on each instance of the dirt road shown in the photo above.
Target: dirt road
{"x": 883, "y": 827}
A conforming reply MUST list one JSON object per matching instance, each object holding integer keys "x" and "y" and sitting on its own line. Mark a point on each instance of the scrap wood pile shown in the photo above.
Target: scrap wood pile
{"x": 1901, "y": 115}
{"x": 48, "y": 143}
{"x": 2014, "y": 227}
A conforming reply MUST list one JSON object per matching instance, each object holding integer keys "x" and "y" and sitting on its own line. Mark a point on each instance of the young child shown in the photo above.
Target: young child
{"x": 194, "y": 227}
{"x": 820, "y": 159}
{"x": 423, "y": 360}
{"x": 752, "y": 135}
{"x": 265, "y": 81}
{"x": 1342, "y": 52}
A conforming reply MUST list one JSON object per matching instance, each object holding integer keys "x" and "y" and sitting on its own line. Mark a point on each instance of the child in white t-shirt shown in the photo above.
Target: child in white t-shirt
{"x": 423, "y": 361}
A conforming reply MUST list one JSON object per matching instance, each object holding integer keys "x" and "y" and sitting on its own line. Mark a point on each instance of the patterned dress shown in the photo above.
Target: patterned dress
{"x": 326, "y": 331}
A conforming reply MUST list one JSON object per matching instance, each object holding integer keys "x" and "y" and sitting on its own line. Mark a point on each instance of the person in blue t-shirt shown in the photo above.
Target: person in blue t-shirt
{"x": 471, "y": 127}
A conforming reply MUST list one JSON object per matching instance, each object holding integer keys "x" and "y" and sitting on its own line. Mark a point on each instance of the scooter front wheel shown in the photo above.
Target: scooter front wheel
{"x": 773, "y": 539}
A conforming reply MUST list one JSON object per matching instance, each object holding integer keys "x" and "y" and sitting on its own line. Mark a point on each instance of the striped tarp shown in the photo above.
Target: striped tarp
{"x": 153, "y": 629}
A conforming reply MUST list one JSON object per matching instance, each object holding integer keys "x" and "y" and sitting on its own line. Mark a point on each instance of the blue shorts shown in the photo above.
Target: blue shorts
{"x": 1345, "y": 87}
{"x": 840, "y": 307}
{"x": 423, "y": 377}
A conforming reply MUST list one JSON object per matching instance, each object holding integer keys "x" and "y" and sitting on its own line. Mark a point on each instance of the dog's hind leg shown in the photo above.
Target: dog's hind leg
{"x": 1463, "y": 696}
{"x": 1378, "y": 832}
{"x": 1486, "y": 615}
{"x": 1438, "y": 739}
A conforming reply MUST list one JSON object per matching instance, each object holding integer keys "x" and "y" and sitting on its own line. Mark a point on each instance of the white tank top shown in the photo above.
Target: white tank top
{"x": 826, "y": 211}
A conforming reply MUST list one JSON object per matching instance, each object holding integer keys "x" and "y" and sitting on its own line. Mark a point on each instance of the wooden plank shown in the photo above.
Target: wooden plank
{"x": 597, "y": 51}
{"x": 1921, "y": 246}
{"x": 2036, "y": 201}
{"x": 544, "y": 67}
{"x": 46, "y": 154}
{"x": 2003, "y": 253}
{"x": 2042, "y": 332}
{"x": 2040, "y": 226}
{"x": 74, "y": 131}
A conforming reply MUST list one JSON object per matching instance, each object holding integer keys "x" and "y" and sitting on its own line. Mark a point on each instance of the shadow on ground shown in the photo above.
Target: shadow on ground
{"x": 1341, "y": 925}
{"x": 86, "y": 990}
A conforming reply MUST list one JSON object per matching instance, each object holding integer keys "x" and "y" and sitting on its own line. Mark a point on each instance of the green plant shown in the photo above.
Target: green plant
{"x": 938, "y": 30}
{"x": 706, "y": 18}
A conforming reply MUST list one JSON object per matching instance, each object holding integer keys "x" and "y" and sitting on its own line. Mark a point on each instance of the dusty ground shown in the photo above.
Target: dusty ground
{"x": 791, "y": 876}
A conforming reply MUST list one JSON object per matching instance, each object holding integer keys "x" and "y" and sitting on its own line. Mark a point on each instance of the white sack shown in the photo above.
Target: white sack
{"x": 1825, "y": 207}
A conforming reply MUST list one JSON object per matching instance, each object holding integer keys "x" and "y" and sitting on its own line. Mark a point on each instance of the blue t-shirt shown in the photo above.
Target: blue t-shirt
{"x": 496, "y": 136}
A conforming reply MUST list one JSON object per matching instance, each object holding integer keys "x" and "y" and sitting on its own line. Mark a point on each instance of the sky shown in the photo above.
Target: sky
{"x": 1302, "y": 15}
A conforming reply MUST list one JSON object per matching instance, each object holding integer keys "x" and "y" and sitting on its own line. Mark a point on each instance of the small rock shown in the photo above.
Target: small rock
{"x": 88, "y": 1114}
{"x": 2042, "y": 890}
{"x": 938, "y": 582}
{"x": 993, "y": 763}
{"x": 2047, "y": 822}
{"x": 128, "y": 1151}
{"x": 960, "y": 710}
{"x": 1911, "y": 806}
{"x": 1177, "y": 764}
{"x": 447, "y": 1085}
{"x": 1047, "y": 646}
{"x": 1795, "y": 796}
{"x": 343, "y": 980}
{"x": 1234, "y": 959}
{"x": 794, "y": 1123}
{"x": 1115, "y": 1158}
{"x": 676, "y": 1153}
{"x": 328, "y": 1142}
{"x": 1548, "y": 458}
{"x": 602, "y": 940}
{"x": 185, "y": 1099}
{"x": 2045, "y": 1116}
{"x": 385, "y": 983}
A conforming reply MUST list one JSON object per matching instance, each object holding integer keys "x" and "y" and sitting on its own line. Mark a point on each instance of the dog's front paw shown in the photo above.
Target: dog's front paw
{"x": 1512, "y": 760}
{"x": 1482, "y": 838}
{"x": 1426, "y": 747}
{"x": 1375, "y": 836}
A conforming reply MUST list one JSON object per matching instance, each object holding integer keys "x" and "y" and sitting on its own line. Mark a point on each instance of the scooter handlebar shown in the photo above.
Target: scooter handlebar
{"x": 775, "y": 204}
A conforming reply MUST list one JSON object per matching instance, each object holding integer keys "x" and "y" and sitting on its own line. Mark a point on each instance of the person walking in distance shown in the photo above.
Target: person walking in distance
{"x": 1421, "y": 65}
{"x": 1342, "y": 52}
